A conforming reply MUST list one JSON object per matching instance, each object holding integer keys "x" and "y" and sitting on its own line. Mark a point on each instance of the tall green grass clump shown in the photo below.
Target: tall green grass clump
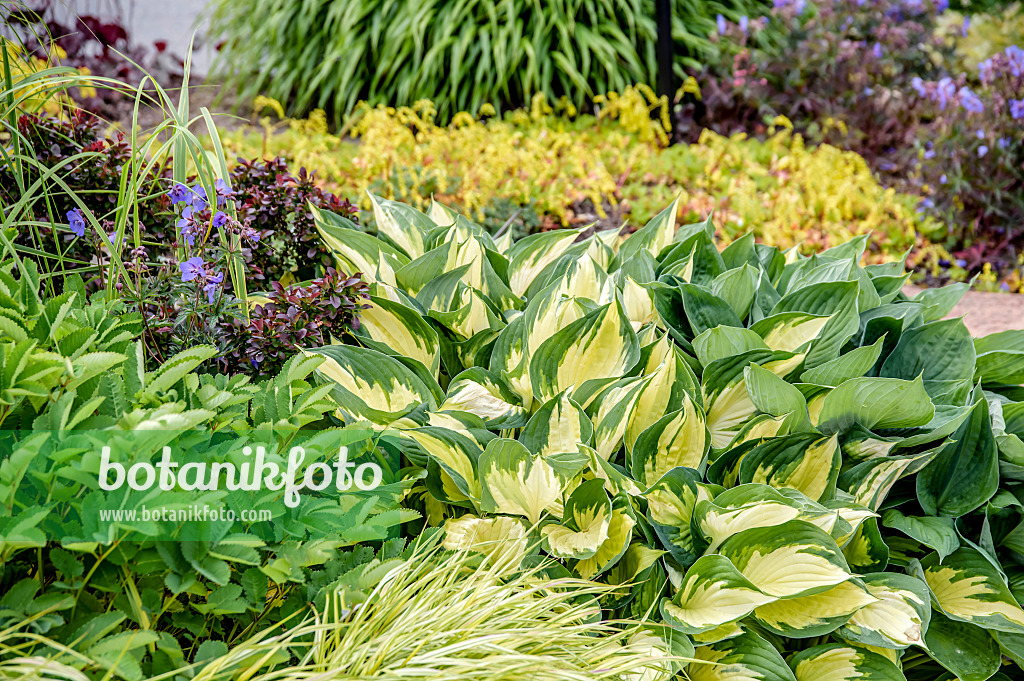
{"x": 462, "y": 54}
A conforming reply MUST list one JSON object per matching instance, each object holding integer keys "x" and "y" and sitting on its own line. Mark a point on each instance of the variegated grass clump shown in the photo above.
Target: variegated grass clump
{"x": 804, "y": 471}
{"x": 438, "y": 615}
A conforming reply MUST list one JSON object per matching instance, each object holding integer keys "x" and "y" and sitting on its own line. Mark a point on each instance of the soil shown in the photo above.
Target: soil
{"x": 986, "y": 313}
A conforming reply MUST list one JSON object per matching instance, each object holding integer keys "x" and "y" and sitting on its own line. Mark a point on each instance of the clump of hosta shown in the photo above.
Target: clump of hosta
{"x": 784, "y": 458}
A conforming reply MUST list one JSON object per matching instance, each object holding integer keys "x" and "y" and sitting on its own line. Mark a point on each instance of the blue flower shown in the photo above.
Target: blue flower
{"x": 985, "y": 70}
{"x": 1016, "y": 58}
{"x": 970, "y": 101}
{"x": 929, "y": 154}
{"x": 212, "y": 282}
{"x": 223, "y": 192}
{"x": 188, "y": 227}
{"x": 744, "y": 24}
{"x": 1003, "y": 142}
{"x": 963, "y": 28}
{"x": 868, "y": 92}
{"x": 114, "y": 241}
{"x": 961, "y": 262}
{"x": 979, "y": 133}
{"x": 1004, "y": 286}
{"x": 941, "y": 6}
{"x": 179, "y": 193}
{"x": 720, "y": 21}
{"x": 1017, "y": 108}
{"x": 943, "y": 180}
{"x": 918, "y": 85}
{"x": 945, "y": 91}
{"x": 76, "y": 222}
{"x": 876, "y": 51}
{"x": 219, "y": 219}
{"x": 982, "y": 150}
{"x": 198, "y": 198}
{"x": 192, "y": 268}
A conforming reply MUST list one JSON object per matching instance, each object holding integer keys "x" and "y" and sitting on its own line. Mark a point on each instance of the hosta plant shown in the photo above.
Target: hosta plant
{"x": 782, "y": 457}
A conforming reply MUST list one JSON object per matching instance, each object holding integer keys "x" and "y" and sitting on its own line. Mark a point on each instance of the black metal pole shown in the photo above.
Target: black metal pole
{"x": 666, "y": 78}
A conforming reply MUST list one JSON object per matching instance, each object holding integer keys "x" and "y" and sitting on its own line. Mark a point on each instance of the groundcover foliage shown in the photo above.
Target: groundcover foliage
{"x": 785, "y": 458}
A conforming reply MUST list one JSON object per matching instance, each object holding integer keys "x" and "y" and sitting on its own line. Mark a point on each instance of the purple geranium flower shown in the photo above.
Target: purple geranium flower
{"x": 76, "y": 222}
{"x": 876, "y": 51}
{"x": 1015, "y": 55}
{"x": 219, "y": 219}
{"x": 1017, "y": 108}
{"x": 744, "y": 24}
{"x": 179, "y": 193}
{"x": 192, "y": 268}
{"x": 223, "y": 192}
{"x": 982, "y": 150}
{"x": 213, "y": 281}
{"x": 720, "y": 21}
{"x": 970, "y": 101}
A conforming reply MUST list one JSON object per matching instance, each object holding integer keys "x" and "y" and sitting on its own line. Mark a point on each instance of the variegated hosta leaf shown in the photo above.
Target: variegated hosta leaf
{"x": 746, "y": 657}
{"x": 653, "y": 237}
{"x": 680, "y": 438}
{"x": 843, "y": 663}
{"x": 869, "y": 482}
{"x": 670, "y": 504}
{"x": 405, "y": 226}
{"x": 814, "y": 615}
{"x": 615, "y": 480}
{"x": 712, "y": 593}
{"x": 665, "y": 392}
{"x": 471, "y": 314}
{"x": 727, "y": 402}
{"x": 792, "y": 559}
{"x": 452, "y": 465}
{"x": 585, "y": 524}
{"x": 355, "y": 251}
{"x": 371, "y": 385}
{"x": 500, "y": 537}
{"x": 635, "y": 562}
{"x": 897, "y": 619}
{"x": 741, "y": 508}
{"x": 789, "y": 331}
{"x": 529, "y": 256}
{"x": 516, "y": 482}
{"x": 441, "y": 214}
{"x": 969, "y": 588}
{"x": 852, "y": 364}
{"x": 396, "y": 329}
{"x": 600, "y": 345}
{"x": 559, "y": 425}
{"x": 638, "y": 302}
{"x": 614, "y": 406}
{"x": 808, "y": 463}
{"x": 482, "y": 393}
{"x": 722, "y": 633}
{"x": 620, "y": 530}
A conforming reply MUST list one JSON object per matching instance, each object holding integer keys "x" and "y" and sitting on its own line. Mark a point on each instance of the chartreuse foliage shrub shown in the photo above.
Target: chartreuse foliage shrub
{"x": 547, "y": 162}
{"x": 783, "y": 458}
{"x": 331, "y": 54}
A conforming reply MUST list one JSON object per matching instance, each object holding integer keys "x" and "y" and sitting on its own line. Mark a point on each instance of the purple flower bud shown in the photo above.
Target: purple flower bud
{"x": 213, "y": 281}
{"x": 720, "y": 21}
{"x": 745, "y": 24}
